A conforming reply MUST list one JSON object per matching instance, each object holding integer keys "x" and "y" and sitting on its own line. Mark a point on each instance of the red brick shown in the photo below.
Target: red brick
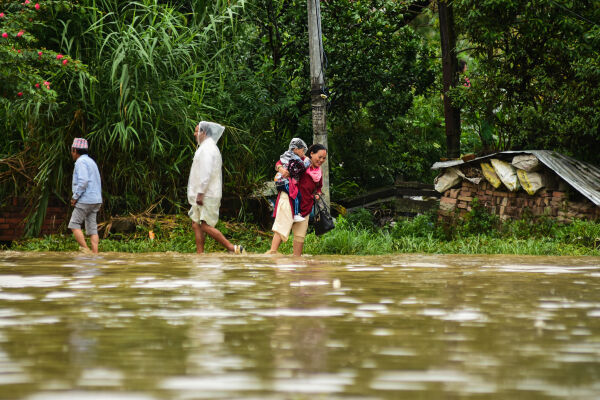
{"x": 465, "y": 198}
{"x": 448, "y": 200}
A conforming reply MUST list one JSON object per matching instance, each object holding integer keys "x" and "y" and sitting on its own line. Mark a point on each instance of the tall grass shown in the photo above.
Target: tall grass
{"x": 578, "y": 239}
{"x": 152, "y": 70}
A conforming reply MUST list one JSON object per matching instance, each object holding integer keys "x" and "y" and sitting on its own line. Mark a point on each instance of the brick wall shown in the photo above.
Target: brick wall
{"x": 512, "y": 205}
{"x": 12, "y": 219}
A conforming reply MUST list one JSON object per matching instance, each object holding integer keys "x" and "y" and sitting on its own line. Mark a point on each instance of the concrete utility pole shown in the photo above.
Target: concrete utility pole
{"x": 317, "y": 85}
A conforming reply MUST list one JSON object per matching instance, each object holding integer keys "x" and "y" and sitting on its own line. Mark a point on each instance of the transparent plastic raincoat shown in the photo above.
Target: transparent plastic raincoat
{"x": 205, "y": 175}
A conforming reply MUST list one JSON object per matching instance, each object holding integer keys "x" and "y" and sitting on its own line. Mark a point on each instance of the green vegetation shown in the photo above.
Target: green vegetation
{"x": 477, "y": 233}
{"x": 134, "y": 78}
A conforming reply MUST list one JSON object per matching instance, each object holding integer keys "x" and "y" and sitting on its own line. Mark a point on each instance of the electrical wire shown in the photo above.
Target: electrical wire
{"x": 581, "y": 17}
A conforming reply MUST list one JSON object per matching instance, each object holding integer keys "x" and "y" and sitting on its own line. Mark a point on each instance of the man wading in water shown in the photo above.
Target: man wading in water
{"x": 87, "y": 195}
{"x": 204, "y": 189}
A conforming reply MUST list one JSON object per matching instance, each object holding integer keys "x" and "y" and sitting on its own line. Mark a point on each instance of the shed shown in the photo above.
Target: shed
{"x": 566, "y": 189}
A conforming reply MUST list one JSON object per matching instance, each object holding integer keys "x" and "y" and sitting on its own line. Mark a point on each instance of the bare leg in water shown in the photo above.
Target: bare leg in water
{"x": 80, "y": 238}
{"x": 202, "y": 229}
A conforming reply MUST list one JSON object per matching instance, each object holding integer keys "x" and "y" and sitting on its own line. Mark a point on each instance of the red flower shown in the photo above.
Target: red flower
{"x": 27, "y": 2}
{"x": 5, "y": 35}
{"x": 21, "y": 32}
{"x": 59, "y": 56}
{"x": 20, "y": 94}
{"x": 37, "y": 85}
{"x": 1, "y": 15}
{"x": 37, "y": 6}
{"x": 39, "y": 53}
{"x": 47, "y": 84}
{"x": 65, "y": 61}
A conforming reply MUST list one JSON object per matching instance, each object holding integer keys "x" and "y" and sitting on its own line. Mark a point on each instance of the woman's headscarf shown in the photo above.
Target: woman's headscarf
{"x": 295, "y": 143}
{"x": 212, "y": 129}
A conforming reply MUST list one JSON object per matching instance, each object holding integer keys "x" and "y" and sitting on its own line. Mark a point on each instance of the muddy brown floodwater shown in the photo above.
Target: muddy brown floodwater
{"x": 174, "y": 326}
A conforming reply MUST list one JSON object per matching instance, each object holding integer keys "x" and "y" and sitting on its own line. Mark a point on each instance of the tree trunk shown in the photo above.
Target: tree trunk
{"x": 449, "y": 77}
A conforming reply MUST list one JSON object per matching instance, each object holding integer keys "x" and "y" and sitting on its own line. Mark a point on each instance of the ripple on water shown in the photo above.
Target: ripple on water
{"x": 59, "y": 295}
{"x": 229, "y": 382}
{"x": 310, "y": 283}
{"x": 89, "y": 395}
{"x": 364, "y": 269}
{"x": 100, "y": 377}
{"x": 18, "y": 281}
{"x": 15, "y": 296}
{"x": 540, "y": 269}
{"x": 171, "y": 284}
{"x": 316, "y": 383}
{"x": 301, "y": 312}
{"x": 197, "y": 313}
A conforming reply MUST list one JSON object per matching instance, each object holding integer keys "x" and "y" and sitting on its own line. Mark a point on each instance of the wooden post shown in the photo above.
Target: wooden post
{"x": 449, "y": 77}
{"x": 317, "y": 85}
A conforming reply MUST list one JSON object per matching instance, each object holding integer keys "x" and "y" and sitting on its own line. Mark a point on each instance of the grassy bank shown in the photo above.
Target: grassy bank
{"x": 477, "y": 233}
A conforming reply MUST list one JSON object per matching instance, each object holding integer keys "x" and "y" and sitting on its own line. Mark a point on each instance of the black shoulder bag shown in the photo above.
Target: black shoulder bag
{"x": 323, "y": 220}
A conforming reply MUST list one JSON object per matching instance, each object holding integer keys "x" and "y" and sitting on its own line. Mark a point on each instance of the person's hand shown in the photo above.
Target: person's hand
{"x": 284, "y": 172}
{"x": 200, "y": 199}
{"x": 73, "y": 202}
{"x": 317, "y": 196}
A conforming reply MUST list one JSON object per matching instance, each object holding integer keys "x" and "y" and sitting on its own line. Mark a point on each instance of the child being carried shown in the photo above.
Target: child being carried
{"x": 296, "y": 163}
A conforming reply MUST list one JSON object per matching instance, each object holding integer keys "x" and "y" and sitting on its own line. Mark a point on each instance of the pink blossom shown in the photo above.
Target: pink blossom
{"x": 39, "y": 53}
{"x": 27, "y": 2}
{"x": 59, "y": 56}
{"x": 19, "y": 51}
{"x": 37, "y": 85}
{"x": 47, "y": 84}
{"x": 37, "y": 6}
{"x": 1, "y": 15}
{"x": 21, "y": 32}
{"x": 5, "y": 35}
{"x": 65, "y": 61}
{"x": 20, "y": 94}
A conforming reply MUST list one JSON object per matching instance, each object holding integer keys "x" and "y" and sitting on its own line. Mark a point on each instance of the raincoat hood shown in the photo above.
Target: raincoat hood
{"x": 212, "y": 129}
{"x": 295, "y": 143}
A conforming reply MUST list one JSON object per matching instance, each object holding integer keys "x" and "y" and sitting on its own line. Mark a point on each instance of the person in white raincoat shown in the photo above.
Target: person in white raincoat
{"x": 205, "y": 187}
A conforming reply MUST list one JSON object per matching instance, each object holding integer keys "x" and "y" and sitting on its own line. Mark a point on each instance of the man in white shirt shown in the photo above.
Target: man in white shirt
{"x": 205, "y": 187}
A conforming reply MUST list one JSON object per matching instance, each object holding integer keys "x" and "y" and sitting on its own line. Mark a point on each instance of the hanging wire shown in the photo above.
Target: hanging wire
{"x": 322, "y": 54}
{"x": 580, "y": 17}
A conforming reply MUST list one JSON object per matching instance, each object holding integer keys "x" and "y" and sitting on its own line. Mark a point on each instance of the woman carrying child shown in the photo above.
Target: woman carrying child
{"x": 309, "y": 187}
{"x": 294, "y": 161}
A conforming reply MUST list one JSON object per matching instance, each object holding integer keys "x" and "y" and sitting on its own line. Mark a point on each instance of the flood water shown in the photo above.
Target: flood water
{"x": 173, "y": 326}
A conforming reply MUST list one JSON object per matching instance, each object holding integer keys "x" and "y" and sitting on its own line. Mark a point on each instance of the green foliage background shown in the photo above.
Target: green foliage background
{"x": 139, "y": 76}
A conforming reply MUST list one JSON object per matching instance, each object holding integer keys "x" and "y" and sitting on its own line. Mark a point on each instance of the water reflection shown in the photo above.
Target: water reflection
{"x": 173, "y": 326}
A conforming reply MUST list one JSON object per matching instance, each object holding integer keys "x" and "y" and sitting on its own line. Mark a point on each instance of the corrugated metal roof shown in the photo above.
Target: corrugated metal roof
{"x": 583, "y": 177}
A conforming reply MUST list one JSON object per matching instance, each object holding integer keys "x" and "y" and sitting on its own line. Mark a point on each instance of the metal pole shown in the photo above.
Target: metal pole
{"x": 317, "y": 85}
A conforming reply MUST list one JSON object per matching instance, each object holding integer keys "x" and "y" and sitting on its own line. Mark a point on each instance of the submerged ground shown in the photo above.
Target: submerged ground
{"x": 181, "y": 326}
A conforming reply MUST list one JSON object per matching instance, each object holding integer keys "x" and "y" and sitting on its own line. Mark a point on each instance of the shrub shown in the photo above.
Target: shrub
{"x": 362, "y": 219}
{"x": 424, "y": 225}
{"x": 478, "y": 221}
